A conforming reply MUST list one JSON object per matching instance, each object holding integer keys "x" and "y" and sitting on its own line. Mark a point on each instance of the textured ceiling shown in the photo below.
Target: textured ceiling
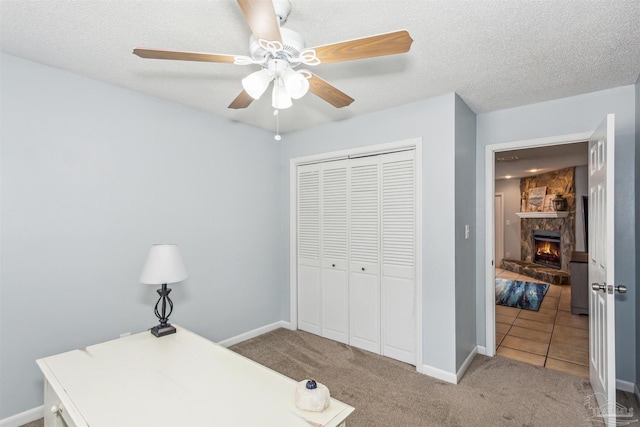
{"x": 494, "y": 54}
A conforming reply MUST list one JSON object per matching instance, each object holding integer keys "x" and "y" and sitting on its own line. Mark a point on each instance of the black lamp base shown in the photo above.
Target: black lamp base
{"x": 160, "y": 331}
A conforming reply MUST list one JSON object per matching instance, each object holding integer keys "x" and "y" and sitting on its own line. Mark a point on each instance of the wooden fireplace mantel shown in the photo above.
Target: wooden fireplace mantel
{"x": 561, "y": 214}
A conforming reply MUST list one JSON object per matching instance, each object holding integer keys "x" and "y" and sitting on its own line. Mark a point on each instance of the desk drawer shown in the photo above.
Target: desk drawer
{"x": 55, "y": 414}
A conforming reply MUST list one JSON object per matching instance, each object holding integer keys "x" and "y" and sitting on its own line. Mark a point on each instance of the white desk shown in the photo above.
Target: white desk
{"x": 179, "y": 380}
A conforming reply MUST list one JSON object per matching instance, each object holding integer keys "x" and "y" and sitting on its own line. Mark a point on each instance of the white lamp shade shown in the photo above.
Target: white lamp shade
{"x": 164, "y": 265}
{"x": 296, "y": 83}
{"x": 280, "y": 98}
{"x": 256, "y": 83}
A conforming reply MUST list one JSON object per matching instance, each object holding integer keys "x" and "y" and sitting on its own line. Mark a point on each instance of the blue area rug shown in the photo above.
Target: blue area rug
{"x": 519, "y": 294}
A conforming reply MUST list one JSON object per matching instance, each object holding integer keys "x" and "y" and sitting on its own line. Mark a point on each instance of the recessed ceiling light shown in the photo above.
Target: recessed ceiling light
{"x": 507, "y": 158}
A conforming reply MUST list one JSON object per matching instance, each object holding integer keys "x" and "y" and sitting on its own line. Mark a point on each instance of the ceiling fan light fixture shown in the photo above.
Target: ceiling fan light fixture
{"x": 255, "y": 84}
{"x": 280, "y": 98}
{"x": 279, "y": 51}
{"x": 296, "y": 83}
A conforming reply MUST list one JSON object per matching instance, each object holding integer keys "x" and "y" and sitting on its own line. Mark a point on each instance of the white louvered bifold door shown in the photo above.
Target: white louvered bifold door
{"x": 364, "y": 278}
{"x": 398, "y": 321}
{"x": 309, "y": 246}
{"x": 335, "y": 285}
{"x": 356, "y": 252}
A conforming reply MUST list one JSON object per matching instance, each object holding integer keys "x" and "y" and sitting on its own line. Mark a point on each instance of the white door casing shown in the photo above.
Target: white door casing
{"x": 489, "y": 220}
{"x": 499, "y": 229}
{"x": 601, "y": 268}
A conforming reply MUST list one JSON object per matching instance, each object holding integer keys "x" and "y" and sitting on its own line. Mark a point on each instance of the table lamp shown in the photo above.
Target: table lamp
{"x": 164, "y": 265}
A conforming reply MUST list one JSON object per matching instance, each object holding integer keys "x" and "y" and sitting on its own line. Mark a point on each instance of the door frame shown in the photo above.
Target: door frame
{"x": 489, "y": 192}
{"x": 367, "y": 150}
{"x": 500, "y": 229}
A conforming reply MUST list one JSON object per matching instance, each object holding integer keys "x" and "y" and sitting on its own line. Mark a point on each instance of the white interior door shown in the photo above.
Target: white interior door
{"x": 309, "y": 267}
{"x": 364, "y": 280}
{"x": 398, "y": 239}
{"x": 335, "y": 285}
{"x": 602, "y": 363}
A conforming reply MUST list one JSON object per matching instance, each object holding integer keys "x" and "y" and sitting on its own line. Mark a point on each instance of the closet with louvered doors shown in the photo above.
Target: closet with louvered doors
{"x": 356, "y": 252}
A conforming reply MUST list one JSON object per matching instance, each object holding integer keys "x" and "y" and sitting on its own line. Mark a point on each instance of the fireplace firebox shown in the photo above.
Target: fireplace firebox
{"x": 547, "y": 248}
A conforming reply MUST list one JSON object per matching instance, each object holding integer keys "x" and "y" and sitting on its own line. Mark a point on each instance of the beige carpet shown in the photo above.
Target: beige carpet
{"x": 494, "y": 391}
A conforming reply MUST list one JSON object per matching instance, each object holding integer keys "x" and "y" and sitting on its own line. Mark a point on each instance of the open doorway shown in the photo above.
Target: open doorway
{"x": 551, "y": 334}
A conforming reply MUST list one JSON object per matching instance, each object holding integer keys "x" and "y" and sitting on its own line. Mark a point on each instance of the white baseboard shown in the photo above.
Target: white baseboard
{"x": 482, "y": 350}
{"x": 23, "y": 418}
{"x": 254, "y": 333}
{"x": 449, "y": 376}
{"x": 439, "y": 374}
{"x": 466, "y": 364}
{"x": 625, "y": 386}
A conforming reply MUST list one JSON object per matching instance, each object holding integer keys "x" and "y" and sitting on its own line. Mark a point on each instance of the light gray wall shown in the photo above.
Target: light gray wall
{"x": 512, "y": 198}
{"x": 560, "y": 117}
{"x": 465, "y": 191}
{"x": 92, "y": 175}
{"x": 637, "y": 94}
{"x": 582, "y": 189}
{"x": 433, "y": 120}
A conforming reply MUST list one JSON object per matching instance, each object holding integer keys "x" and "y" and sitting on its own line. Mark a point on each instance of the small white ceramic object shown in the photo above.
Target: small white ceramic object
{"x": 312, "y": 396}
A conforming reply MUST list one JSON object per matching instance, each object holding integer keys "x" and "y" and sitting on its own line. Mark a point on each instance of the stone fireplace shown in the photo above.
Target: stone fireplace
{"x": 547, "y": 248}
{"x": 557, "y": 182}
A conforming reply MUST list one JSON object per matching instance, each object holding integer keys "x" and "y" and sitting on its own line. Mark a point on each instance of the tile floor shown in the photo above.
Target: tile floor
{"x": 551, "y": 337}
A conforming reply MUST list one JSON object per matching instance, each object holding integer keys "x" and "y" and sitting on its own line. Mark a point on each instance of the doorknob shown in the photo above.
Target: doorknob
{"x": 621, "y": 289}
{"x": 599, "y": 287}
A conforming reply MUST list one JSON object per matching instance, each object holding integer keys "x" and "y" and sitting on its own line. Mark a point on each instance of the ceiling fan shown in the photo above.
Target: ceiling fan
{"x": 280, "y": 50}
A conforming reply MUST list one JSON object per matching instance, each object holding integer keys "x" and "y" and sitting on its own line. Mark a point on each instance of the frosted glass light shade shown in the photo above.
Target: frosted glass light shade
{"x": 164, "y": 265}
{"x": 296, "y": 83}
{"x": 256, "y": 83}
{"x": 280, "y": 98}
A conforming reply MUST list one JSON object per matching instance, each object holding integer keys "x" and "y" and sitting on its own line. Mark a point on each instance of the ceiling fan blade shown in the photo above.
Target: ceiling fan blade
{"x": 243, "y": 100}
{"x": 262, "y": 19}
{"x": 183, "y": 56}
{"x": 366, "y": 47}
{"x": 329, "y": 93}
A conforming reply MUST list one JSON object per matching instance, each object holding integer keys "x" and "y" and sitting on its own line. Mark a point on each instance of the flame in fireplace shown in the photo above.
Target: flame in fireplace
{"x": 546, "y": 248}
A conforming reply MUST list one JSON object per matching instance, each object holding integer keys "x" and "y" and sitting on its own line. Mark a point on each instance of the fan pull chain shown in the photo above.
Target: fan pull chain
{"x": 277, "y": 137}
